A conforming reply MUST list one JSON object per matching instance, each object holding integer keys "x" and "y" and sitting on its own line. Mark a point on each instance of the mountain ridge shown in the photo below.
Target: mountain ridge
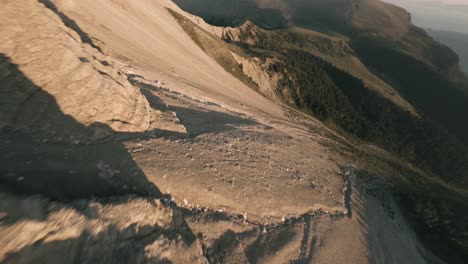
{"x": 275, "y": 144}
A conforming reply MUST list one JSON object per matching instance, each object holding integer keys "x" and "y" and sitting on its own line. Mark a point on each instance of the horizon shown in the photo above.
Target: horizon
{"x": 446, "y": 15}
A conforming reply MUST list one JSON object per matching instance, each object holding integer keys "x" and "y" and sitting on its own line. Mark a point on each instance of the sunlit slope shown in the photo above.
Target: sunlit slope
{"x": 143, "y": 33}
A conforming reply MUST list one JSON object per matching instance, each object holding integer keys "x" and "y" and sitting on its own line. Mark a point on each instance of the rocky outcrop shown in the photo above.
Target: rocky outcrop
{"x": 86, "y": 85}
{"x": 118, "y": 230}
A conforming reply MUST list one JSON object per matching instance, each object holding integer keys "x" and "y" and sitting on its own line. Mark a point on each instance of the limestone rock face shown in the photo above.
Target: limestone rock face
{"x": 121, "y": 230}
{"x": 59, "y": 60}
{"x": 127, "y": 137}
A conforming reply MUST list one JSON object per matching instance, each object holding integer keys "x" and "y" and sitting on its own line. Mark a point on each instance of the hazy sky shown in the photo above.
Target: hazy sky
{"x": 449, "y": 15}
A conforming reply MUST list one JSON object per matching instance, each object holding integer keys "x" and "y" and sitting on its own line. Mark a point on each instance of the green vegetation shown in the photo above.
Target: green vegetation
{"x": 419, "y": 71}
{"x": 337, "y": 97}
{"x": 332, "y": 94}
{"x": 215, "y": 48}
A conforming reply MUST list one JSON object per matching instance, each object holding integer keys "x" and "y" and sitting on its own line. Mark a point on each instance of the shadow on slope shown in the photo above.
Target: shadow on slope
{"x": 47, "y": 152}
{"x": 410, "y": 221}
{"x": 425, "y": 87}
{"x": 196, "y": 121}
{"x": 337, "y": 96}
{"x": 234, "y": 12}
{"x": 168, "y": 235}
{"x": 104, "y": 250}
{"x": 70, "y": 23}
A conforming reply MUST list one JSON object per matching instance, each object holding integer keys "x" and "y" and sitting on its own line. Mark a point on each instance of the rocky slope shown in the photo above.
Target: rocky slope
{"x": 372, "y": 74}
{"x": 370, "y": 50}
{"x": 134, "y": 132}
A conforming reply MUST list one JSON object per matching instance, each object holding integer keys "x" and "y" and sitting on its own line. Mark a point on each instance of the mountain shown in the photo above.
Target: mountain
{"x": 363, "y": 68}
{"x": 368, "y": 33}
{"x": 229, "y": 131}
{"x": 438, "y": 14}
{"x": 456, "y": 41}
{"x": 334, "y": 15}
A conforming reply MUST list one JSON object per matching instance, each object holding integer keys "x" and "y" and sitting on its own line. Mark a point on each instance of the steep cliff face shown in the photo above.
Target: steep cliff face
{"x": 86, "y": 85}
{"x": 63, "y": 67}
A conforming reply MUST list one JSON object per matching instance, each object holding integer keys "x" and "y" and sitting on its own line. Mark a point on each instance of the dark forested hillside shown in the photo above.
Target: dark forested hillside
{"x": 333, "y": 94}
{"x": 234, "y": 12}
{"x": 456, "y": 41}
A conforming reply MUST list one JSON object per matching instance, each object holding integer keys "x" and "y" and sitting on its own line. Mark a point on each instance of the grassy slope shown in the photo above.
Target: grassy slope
{"x": 215, "y": 48}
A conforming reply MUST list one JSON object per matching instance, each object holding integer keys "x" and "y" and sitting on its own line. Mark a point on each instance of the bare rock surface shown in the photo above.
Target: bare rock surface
{"x": 119, "y": 230}
{"x": 63, "y": 62}
{"x": 122, "y": 142}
